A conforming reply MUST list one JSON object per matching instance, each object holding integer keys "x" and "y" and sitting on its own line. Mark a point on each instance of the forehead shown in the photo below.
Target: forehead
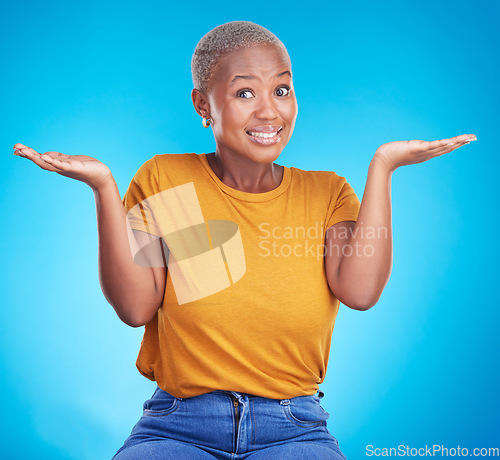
{"x": 261, "y": 61}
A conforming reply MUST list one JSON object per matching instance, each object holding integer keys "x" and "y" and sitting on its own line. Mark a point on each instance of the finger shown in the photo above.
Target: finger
{"x": 454, "y": 144}
{"x": 27, "y": 152}
{"x": 462, "y": 139}
{"x": 46, "y": 161}
{"x": 37, "y": 159}
{"x": 17, "y": 146}
{"x": 54, "y": 162}
{"x": 454, "y": 140}
{"x": 442, "y": 146}
{"x": 441, "y": 143}
{"x": 24, "y": 151}
{"x": 62, "y": 164}
{"x": 57, "y": 158}
{"x": 42, "y": 160}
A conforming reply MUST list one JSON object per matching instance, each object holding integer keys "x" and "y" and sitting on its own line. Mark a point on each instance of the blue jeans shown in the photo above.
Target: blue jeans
{"x": 227, "y": 425}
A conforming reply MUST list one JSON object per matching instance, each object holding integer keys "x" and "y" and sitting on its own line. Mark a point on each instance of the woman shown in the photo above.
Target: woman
{"x": 236, "y": 265}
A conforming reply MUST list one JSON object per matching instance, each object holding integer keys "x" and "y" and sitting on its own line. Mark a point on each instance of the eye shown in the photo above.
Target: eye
{"x": 282, "y": 91}
{"x": 244, "y": 94}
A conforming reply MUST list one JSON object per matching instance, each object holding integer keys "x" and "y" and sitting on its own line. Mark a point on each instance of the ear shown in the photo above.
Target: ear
{"x": 200, "y": 102}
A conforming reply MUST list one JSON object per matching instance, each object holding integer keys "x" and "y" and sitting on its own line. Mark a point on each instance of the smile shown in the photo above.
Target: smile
{"x": 265, "y": 138}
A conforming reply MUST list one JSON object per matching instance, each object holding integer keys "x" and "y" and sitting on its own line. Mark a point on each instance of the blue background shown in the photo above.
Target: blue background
{"x": 112, "y": 80}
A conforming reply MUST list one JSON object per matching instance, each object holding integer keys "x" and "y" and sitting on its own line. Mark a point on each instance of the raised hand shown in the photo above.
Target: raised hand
{"x": 79, "y": 167}
{"x": 401, "y": 153}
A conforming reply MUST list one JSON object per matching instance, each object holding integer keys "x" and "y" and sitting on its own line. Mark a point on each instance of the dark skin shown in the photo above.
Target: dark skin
{"x": 243, "y": 166}
{"x": 251, "y": 89}
{"x": 253, "y": 108}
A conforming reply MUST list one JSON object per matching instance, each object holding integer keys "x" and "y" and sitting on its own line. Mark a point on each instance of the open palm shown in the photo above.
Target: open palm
{"x": 80, "y": 167}
{"x": 401, "y": 153}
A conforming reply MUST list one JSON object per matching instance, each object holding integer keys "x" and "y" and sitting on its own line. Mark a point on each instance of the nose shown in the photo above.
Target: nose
{"x": 266, "y": 108}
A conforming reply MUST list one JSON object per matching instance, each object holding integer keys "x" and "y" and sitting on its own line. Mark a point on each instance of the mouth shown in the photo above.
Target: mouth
{"x": 265, "y": 135}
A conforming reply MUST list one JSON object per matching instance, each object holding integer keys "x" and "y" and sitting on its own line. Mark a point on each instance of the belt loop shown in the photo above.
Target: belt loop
{"x": 237, "y": 395}
{"x": 320, "y": 394}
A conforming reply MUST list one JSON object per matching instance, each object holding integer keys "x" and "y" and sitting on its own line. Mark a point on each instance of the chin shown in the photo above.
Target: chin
{"x": 266, "y": 157}
{"x": 266, "y": 154}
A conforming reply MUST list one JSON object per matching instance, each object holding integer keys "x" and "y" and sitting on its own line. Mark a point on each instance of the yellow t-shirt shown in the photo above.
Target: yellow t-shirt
{"x": 247, "y": 306}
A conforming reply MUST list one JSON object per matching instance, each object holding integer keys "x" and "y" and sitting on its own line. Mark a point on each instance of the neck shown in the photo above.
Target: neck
{"x": 246, "y": 175}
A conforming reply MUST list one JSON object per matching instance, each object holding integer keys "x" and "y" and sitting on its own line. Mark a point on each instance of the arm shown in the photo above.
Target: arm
{"x": 134, "y": 291}
{"x": 358, "y": 272}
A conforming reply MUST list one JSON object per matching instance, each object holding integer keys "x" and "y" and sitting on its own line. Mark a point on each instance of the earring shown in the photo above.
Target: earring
{"x": 206, "y": 122}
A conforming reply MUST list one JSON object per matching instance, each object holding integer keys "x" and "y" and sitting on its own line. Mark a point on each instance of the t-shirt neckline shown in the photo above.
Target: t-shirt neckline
{"x": 246, "y": 196}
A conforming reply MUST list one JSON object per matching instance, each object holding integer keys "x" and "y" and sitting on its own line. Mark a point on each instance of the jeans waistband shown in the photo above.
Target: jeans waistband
{"x": 320, "y": 394}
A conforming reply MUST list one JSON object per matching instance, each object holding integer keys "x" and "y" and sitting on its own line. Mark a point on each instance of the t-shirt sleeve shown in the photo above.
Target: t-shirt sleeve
{"x": 138, "y": 197}
{"x": 344, "y": 205}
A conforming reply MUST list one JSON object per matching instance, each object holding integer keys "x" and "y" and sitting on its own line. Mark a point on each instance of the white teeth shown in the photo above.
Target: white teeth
{"x": 263, "y": 135}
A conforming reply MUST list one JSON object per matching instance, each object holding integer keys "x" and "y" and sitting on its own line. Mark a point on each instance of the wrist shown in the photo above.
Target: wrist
{"x": 380, "y": 162}
{"x": 104, "y": 185}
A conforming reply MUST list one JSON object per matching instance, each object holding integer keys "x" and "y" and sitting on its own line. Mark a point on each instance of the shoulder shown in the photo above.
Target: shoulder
{"x": 160, "y": 164}
{"x": 320, "y": 178}
{"x": 174, "y": 159}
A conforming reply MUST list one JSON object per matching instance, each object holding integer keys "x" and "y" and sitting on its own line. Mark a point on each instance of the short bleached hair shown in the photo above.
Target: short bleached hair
{"x": 223, "y": 40}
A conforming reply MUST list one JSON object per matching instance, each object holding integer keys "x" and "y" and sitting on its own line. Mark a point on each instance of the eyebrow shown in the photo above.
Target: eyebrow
{"x": 251, "y": 77}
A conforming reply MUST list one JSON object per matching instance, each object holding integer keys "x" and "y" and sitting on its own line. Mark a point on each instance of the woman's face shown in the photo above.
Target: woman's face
{"x": 252, "y": 104}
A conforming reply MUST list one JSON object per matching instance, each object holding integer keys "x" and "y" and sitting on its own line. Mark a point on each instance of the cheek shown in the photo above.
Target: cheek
{"x": 227, "y": 125}
{"x": 290, "y": 111}
{"x": 235, "y": 116}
